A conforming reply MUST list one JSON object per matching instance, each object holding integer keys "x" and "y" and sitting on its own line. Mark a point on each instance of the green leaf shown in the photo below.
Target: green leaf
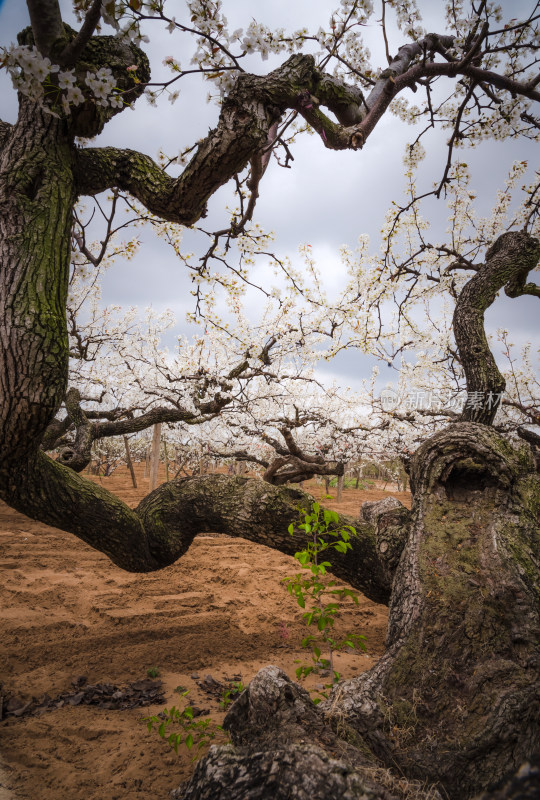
{"x": 189, "y": 741}
{"x": 330, "y": 516}
{"x": 291, "y": 529}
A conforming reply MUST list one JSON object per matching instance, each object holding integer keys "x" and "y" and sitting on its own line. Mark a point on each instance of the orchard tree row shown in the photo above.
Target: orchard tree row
{"x": 251, "y": 391}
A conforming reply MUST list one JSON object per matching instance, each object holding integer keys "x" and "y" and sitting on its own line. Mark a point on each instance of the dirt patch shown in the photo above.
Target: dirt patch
{"x": 68, "y": 612}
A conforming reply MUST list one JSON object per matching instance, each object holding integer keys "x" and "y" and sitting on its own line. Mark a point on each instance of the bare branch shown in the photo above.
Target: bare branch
{"x": 72, "y": 51}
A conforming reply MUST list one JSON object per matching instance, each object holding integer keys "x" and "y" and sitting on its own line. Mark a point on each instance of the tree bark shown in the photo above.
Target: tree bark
{"x": 456, "y": 698}
{"x": 285, "y": 748}
{"x": 36, "y": 186}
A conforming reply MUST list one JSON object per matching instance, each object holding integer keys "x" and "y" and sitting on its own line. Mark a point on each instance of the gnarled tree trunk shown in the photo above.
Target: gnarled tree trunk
{"x": 455, "y": 701}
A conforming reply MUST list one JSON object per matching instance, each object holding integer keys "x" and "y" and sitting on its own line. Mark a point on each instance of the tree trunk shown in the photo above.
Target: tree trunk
{"x": 36, "y": 184}
{"x": 154, "y": 457}
{"x": 166, "y": 461}
{"x": 147, "y": 461}
{"x": 455, "y": 701}
{"x": 285, "y": 748}
{"x": 130, "y": 463}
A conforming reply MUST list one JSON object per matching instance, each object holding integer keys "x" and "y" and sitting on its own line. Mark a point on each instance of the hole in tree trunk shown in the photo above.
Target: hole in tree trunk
{"x": 34, "y": 185}
{"x": 467, "y": 477}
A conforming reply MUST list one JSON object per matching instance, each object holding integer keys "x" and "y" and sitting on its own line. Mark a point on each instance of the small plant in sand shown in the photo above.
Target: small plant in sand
{"x": 153, "y": 672}
{"x": 229, "y": 695}
{"x": 322, "y": 596}
{"x": 193, "y": 732}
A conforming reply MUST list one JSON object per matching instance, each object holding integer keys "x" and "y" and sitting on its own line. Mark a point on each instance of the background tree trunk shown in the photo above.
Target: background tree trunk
{"x": 154, "y": 457}
{"x": 130, "y": 463}
{"x": 340, "y": 485}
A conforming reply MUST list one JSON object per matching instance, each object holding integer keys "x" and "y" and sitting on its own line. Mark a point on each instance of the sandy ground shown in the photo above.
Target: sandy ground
{"x": 68, "y": 612}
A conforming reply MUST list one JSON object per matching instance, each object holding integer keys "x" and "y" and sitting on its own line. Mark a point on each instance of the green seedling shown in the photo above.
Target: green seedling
{"x": 153, "y": 672}
{"x": 321, "y": 598}
{"x": 193, "y": 732}
{"x": 230, "y": 695}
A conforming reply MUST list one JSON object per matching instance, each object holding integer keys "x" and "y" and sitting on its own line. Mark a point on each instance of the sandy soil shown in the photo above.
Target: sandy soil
{"x": 67, "y": 612}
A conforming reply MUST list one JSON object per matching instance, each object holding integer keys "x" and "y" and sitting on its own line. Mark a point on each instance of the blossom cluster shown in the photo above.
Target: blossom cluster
{"x": 30, "y": 72}
{"x": 102, "y": 84}
{"x": 54, "y": 89}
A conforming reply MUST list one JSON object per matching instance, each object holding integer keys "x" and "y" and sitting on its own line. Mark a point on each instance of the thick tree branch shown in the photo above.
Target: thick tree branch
{"x": 508, "y": 262}
{"x": 55, "y": 433}
{"x": 295, "y": 450}
{"x": 47, "y": 25}
{"x": 534, "y": 440}
{"x": 160, "y": 530}
{"x": 247, "y": 115}
{"x": 290, "y": 469}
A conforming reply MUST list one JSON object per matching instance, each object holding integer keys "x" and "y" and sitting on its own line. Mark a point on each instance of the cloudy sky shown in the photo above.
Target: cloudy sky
{"x": 327, "y": 199}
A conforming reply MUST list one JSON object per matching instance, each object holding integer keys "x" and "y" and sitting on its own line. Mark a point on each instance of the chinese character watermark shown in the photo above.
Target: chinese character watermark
{"x": 434, "y": 401}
